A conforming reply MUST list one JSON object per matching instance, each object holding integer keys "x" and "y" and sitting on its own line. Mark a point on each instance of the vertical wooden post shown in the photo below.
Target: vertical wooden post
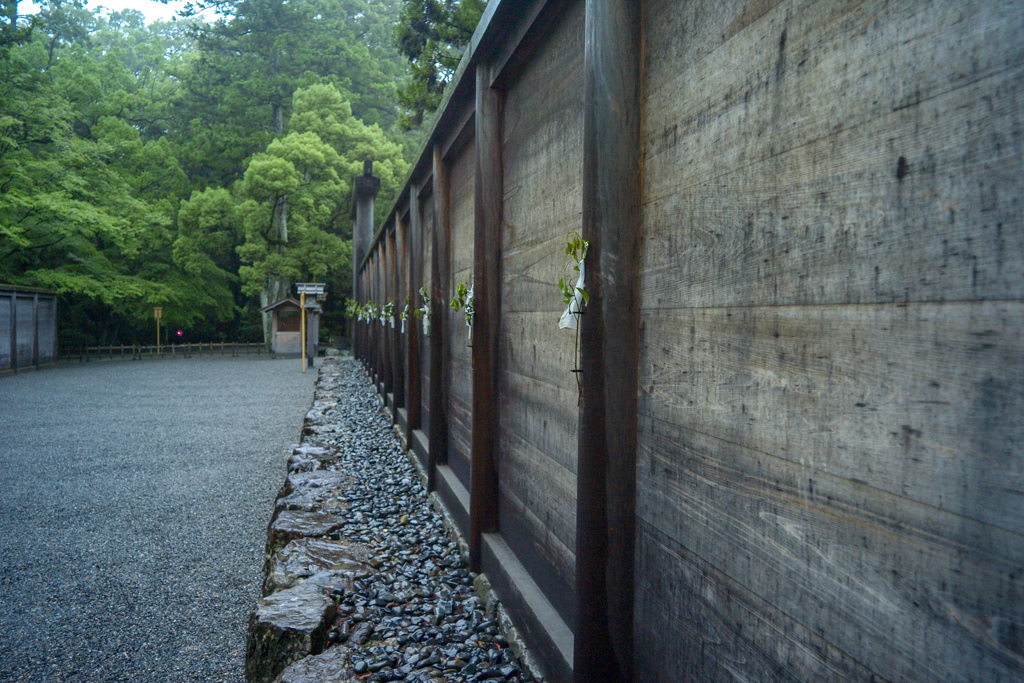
{"x": 609, "y": 340}
{"x": 395, "y": 335}
{"x": 438, "y": 289}
{"x": 14, "y": 332}
{"x": 302, "y": 327}
{"x": 483, "y": 494}
{"x": 56, "y": 355}
{"x": 415, "y": 280}
{"x": 365, "y": 188}
{"x": 35, "y": 330}
{"x": 387, "y": 378}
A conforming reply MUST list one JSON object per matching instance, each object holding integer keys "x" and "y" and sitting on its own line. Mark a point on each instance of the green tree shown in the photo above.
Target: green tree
{"x": 239, "y": 83}
{"x": 294, "y": 197}
{"x": 432, "y": 35}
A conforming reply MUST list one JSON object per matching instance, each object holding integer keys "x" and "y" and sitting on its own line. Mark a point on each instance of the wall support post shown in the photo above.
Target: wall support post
{"x": 483, "y": 494}
{"x": 415, "y": 280}
{"x": 365, "y": 188}
{"x": 439, "y": 265}
{"x": 609, "y": 339}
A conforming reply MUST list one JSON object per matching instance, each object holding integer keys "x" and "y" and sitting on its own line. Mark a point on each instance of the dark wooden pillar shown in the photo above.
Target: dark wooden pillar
{"x": 609, "y": 339}
{"x": 359, "y": 349}
{"x": 14, "y": 332}
{"x": 35, "y": 330}
{"x": 365, "y": 188}
{"x": 415, "y": 281}
{"x": 374, "y": 324}
{"x": 383, "y": 374}
{"x": 483, "y": 494}
{"x": 395, "y": 333}
{"x": 438, "y": 453}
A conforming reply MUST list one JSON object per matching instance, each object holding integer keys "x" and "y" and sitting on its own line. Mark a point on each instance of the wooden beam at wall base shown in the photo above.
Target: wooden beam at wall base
{"x": 532, "y": 613}
{"x": 609, "y": 342}
{"x": 455, "y": 497}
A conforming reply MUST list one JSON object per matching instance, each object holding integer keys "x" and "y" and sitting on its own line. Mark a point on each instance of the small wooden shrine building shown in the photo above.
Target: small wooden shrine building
{"x": 287, "y": 335}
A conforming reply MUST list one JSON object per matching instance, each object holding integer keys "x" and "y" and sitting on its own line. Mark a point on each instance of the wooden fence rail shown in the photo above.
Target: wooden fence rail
{"x": 793, "y": 451}
{"x": 187, "y": 350}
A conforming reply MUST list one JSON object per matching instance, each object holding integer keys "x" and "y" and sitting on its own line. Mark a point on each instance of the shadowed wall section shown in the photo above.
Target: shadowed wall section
{"x": 802, "y": 449}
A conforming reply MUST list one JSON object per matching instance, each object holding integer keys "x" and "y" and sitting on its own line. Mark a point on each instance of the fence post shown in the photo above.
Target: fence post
{"x": 13, "y": 332}
{"x": 35, "y": 330}
{"x": 483, "y": 494}
{"x": 609, "y": 339}
{"x": 438, "y": 441}
{"x": 413, "y": 396}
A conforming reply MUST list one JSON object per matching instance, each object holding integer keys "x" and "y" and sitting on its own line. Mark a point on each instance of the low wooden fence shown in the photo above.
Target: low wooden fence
{"x": 139, "y": 351}
{"x": 28, "y": 328}
{"x": 794, "y": 452}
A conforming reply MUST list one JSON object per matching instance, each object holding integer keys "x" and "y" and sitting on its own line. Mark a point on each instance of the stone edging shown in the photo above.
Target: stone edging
{"x": 310, "y": 567}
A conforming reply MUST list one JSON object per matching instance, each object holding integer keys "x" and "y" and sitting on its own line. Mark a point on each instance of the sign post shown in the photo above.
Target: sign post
{"x": 158, "y": 312}
{"x": 304, "y": 288}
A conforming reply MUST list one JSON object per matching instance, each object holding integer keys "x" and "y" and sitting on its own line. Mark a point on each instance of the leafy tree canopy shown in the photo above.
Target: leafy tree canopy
{"x": 432, "y": 35}
{"x": 186, "y": 164}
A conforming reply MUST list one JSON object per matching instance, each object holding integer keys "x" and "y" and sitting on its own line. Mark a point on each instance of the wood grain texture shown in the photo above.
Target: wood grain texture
{"x": 914, "y": 400}
{"x": 549, "y": 561}
{"x": 413, "y": 279}
{"x": 487, "y": 213}
{"x": 699, "y": 624}
{"x": 538, "y": 414}
{"x": 440, "y": 266}
{"x": 850, "y": 167}
{"x": 829, "y": 481}
{"x": 606, "y": 469}
{"x": 459, "y": 389}
{"x": 428, "y": 216}
{"x": 910, "y": 592}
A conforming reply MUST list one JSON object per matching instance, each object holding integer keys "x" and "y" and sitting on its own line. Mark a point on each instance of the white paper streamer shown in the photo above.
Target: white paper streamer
{"x": 469, "y": 312}
{"x": 571, "y": 316}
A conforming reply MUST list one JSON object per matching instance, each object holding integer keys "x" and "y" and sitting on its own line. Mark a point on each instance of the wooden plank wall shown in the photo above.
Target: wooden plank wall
{"x": 828, "y": 486}
{"x": 28, "y": 328}
{"x": 428, "y": 216}
{"x": 829, "y": 466}
{"x": 459, "y": 399}
{"x": 538, "y": 412}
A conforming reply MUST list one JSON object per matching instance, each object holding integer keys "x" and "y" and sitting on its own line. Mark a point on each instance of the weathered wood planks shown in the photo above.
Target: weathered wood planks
{"x": 831, "y": 344}
{"x": 459, "y": 400}
{"x": 804, "y": 340}
{"x": 542, "y": 172}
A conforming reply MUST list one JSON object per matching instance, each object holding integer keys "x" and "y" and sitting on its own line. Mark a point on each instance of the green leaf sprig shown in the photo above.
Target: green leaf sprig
{"x": 576, "y": 249}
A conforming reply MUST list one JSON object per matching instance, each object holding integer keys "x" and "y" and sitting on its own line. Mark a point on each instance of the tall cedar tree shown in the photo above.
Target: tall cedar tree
{"x": 239, "y": 86}
{"x": 432, "y": 35}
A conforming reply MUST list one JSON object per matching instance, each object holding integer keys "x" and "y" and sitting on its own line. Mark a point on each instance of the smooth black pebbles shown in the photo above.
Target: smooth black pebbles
{"x": 405, "y": 608}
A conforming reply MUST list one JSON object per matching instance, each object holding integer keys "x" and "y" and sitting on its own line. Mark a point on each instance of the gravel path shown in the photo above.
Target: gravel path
{"x": 134, "y": 498}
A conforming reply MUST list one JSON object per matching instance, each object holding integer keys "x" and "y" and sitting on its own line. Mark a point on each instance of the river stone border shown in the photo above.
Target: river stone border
{"x": 365, "y": 575}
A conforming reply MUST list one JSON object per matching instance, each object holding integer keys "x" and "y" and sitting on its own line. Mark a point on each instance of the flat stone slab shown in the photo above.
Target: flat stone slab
{"x": 315, "y": 479}
{"x": 312, "y": 491}
{"x": 307, "y": 457}
{"x": 292, "y": 524}
{"x": 306, "y": 557}
{"x": 285, "y": 627}
{"x": 330, "y": 667}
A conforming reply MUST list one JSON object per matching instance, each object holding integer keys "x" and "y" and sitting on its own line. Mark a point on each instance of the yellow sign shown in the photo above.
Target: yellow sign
{"x": 158, "y": 312}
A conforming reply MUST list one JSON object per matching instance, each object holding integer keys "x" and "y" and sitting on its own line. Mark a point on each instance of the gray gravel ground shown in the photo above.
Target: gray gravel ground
{"x": 134, "y": 498}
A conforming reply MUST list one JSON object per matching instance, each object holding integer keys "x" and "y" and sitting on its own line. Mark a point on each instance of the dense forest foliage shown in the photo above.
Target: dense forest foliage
{"x": 203, "y": 165}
